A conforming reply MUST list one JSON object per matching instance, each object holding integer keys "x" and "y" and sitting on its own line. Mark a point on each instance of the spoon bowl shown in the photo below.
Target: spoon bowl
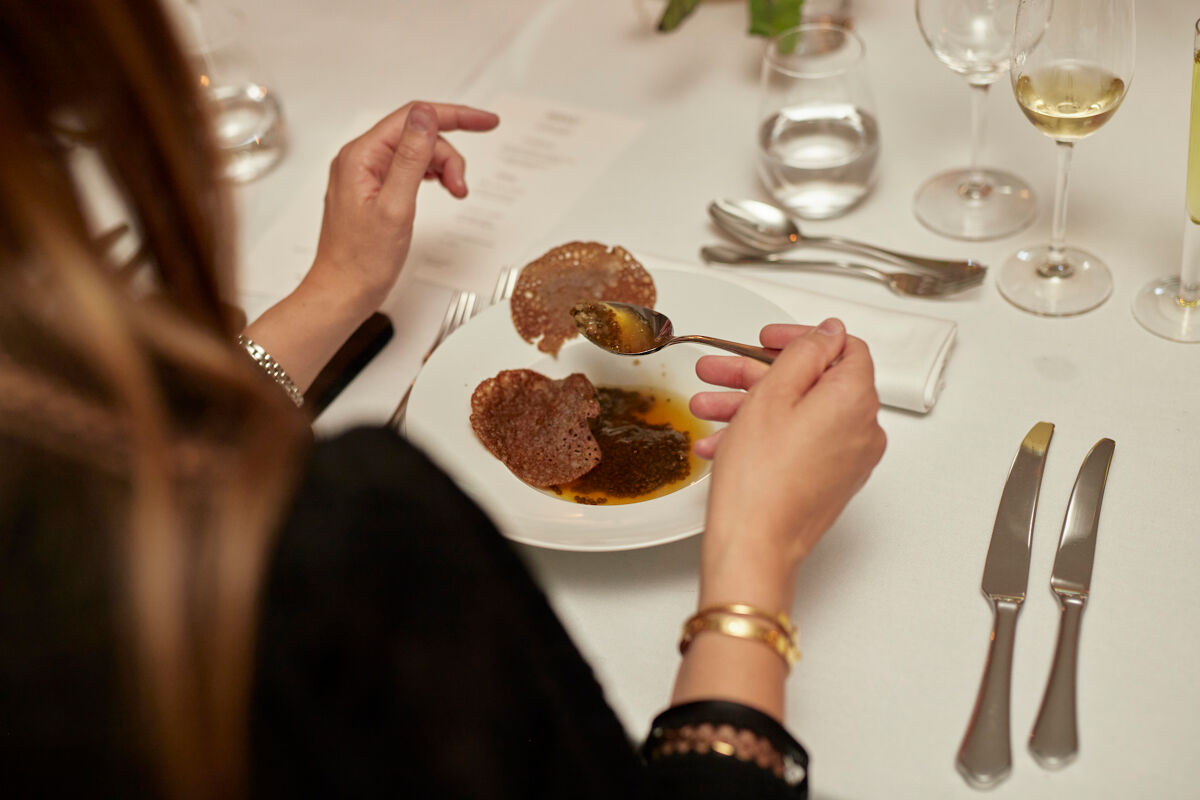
{"x": 770, "y": 229}
{"x": 632, "y": 330}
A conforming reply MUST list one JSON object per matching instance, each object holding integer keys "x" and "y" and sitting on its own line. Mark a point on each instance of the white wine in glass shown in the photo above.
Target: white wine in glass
{"x": 973, "y": 38}
{"x": 1170, "y": 307}
{"x": 1073, "y": 61}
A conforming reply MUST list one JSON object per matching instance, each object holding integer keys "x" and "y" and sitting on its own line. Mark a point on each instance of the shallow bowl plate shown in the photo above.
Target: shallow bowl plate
{"x": 438, "y": 417}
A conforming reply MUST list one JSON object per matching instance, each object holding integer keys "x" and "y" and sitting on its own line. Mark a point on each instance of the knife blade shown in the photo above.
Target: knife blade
{"x": 985, "y": 755}
{"x": 1054, "y": 741}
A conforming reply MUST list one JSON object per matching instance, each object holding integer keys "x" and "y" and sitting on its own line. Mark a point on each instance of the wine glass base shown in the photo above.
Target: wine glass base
{"x": 1022, "y": 281}
{"x": 1160, "y": 310}
{"x": 975, "y": 204}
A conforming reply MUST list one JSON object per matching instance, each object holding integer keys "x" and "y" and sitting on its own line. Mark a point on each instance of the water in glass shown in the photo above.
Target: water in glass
{"x": 817, "y": 136}
{"x": 819, "y": 161}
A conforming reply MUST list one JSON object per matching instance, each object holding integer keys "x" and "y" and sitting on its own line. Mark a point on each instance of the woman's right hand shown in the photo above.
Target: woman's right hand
{"x": 800, "y": 443}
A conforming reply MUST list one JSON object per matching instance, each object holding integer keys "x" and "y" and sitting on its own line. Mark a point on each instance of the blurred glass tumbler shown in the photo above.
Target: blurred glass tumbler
{"x": 835, "y": 11}
{"x": 818, "y": 140}
{"x": 248, "y": 121}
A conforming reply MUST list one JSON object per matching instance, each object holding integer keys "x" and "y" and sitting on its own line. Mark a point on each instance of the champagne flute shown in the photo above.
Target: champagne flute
{"x": 973, "y": 38}
{"x": 1170, "y": 307}
{"x": 1072, "y": 64}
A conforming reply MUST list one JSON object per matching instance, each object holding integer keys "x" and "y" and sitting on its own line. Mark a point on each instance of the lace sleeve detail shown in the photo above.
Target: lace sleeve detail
{"x": 725, "y": 740}
{"x": 729, "y": 730}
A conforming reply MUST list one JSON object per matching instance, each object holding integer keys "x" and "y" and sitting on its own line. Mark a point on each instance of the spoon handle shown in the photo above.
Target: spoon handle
{"x": 748, "y": 350}
{"x": 720, "y": 254}
{"x": 903, "y": 259}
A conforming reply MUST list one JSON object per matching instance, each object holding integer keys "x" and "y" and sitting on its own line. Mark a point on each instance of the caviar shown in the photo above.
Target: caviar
{"x": 645, "y": 439}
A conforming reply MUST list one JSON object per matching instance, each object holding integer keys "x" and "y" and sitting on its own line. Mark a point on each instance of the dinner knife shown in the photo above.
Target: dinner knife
{"x": 985, "y": 756}
{"x": 350, "y": 359}
{"x": 1055, "y": 740}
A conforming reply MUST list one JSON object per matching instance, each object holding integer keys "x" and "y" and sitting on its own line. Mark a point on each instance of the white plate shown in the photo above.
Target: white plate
{"x": 438, "y": 417}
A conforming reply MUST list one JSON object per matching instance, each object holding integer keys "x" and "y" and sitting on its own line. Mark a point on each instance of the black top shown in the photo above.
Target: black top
{"x": 403, "y": 650}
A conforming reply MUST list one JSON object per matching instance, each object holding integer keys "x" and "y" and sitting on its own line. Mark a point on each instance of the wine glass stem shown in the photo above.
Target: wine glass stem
{"x": 1057, "y": 265}
{"x": 1189, "y": 274}
{"x": 976, "y": 186}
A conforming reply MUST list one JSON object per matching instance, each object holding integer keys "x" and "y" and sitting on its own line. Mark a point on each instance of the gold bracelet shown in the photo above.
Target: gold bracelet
{"x": 272, "y": 368}
{"x": 742, "y": 626}
{"x": 746, "y": 610}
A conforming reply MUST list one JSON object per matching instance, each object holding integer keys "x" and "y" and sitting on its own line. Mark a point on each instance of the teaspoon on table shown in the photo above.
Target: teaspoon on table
{"x": 768, "y": 228}
{"x": 632, "y": 330}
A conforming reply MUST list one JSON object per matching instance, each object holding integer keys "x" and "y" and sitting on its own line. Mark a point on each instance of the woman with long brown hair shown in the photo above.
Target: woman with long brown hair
{"x": 197, "y": 599}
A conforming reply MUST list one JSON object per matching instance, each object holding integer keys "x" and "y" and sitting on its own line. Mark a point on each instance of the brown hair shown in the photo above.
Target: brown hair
{"x": 142, "y": 382}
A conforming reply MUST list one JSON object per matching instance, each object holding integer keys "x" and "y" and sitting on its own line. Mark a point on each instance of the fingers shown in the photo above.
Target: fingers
{"x": 369, "y": 158}
{"x": 413, "y": 156}
{"x": 450, "y": 117}
{"x": 449, "y": 167}
{"x": 854, "y": 370}
{"x": 734, "y": 372}
{"x": 805, "y": 359}
{"x": 777, "y": 336}
{"x": 707, "y": 447}
{"x": 716, "y": 406}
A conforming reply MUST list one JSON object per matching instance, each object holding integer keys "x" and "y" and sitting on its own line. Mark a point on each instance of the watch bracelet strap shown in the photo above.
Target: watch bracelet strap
{"x": 272, "y": 368}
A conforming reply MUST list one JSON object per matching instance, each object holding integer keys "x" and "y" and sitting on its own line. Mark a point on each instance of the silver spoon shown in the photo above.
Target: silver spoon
{"x": 631, "y": 330}
{"x": 768, "y": 228}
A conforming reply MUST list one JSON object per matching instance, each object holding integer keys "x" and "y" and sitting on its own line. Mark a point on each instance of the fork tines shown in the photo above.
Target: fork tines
{"x": 505, "y": 283}
{"x": 459, "y": 310}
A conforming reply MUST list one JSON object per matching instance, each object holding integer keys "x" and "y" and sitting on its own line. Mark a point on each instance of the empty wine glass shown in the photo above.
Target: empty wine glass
{"x": 1170, "y": 307}
{"x": 973, "y": 38}
{"x": 1072, "y": 64}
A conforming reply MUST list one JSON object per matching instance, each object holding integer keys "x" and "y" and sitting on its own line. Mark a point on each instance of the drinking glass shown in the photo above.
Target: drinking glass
{"x": 1170, "y": 307}
{"x": 836, "y": 11}
{"x": 818, "y": 141}
{"x": 248, "y": 121}
{"x": 1072, "y": 64}
{"x": 973, "y": 38}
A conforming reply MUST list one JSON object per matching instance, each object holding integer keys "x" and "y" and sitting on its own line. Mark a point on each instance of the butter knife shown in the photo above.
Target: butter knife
{"x": 1055, "y": 740}
{"x": 985, "y": 756}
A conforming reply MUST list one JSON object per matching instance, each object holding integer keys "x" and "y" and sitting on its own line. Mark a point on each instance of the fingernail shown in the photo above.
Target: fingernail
{"x": 831, "y": 327}
{"x": 421, "y": 118}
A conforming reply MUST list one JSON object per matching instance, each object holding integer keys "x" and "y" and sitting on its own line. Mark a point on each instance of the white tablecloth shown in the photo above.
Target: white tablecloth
{"x": 894, "y": 626}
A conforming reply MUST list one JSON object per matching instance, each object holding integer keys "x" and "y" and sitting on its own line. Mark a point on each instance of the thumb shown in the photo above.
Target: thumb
{"x": 411, "y": 159}
{"x": 806, "y": 358}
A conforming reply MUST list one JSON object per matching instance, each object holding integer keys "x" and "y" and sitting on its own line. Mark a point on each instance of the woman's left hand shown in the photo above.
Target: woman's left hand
{"x": 371, "y": 199}
{"x": 366, "y": 232}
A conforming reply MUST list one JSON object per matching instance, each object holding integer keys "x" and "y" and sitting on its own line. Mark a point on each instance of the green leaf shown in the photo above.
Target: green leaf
{"x": 769, "y": 17}
{"x": 675, "y": 13}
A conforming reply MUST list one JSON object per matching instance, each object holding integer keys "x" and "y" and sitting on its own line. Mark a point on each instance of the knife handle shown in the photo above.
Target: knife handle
{"x": 985, "y": 756}
{"x": 1055, "y": 740}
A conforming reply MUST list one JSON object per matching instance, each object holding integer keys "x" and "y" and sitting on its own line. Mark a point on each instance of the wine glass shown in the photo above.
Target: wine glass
{"x": 1170, "y": 307}
{"x": 1072, "y": 64}
{"x": 973, "y": 38}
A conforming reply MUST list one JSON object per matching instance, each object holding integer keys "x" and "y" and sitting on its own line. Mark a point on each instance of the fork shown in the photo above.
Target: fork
{"x": 904, "y": 283}
{"x": 505, "y": 283}
{"x": 460, "y": 309}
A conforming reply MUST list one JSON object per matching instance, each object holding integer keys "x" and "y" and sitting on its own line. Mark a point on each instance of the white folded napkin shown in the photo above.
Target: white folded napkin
{"x": 909, "y": 350}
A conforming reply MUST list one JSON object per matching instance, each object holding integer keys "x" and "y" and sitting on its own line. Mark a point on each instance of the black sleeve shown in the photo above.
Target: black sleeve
{"x": 403, "y": 649}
